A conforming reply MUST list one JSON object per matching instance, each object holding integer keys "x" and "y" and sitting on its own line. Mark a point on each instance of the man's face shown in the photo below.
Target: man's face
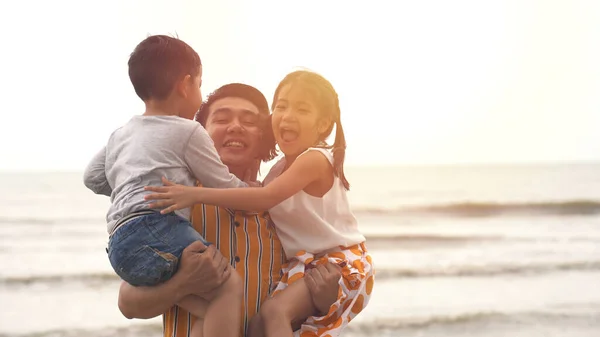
{"x": 233, "y": 124}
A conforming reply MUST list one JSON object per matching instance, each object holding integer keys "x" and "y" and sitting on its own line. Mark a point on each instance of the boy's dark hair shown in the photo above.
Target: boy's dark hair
{"x": 254, "y": 96}
{"x": 158, "y": 62}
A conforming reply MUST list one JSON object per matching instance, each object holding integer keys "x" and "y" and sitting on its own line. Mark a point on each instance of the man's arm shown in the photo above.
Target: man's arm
{"x": 149, "y": 302}
{"x": 200, "y": 271}
{"x": 205, "y": 163}
{"x": 94, "y": 176}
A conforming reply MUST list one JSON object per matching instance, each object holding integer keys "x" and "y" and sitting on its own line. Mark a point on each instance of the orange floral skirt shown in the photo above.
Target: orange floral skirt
{"x": 356, "y": 285}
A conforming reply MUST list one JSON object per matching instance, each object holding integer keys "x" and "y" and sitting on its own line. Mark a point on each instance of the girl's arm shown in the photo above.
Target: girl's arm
{"x": 306, "y": 169}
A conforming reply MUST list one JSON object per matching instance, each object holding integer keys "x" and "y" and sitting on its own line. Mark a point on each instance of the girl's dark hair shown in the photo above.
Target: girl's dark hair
{"x": 328, "y": 104}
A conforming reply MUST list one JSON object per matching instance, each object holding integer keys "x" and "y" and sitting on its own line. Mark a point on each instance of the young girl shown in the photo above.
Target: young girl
{"x": 308, "y": 205}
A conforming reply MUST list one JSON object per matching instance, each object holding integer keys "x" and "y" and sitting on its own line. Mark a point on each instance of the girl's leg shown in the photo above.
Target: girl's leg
{"x": 293, "y": 304}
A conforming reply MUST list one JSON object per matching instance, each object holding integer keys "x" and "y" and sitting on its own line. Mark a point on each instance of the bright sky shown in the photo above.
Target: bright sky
{"x": 419, "y": 81}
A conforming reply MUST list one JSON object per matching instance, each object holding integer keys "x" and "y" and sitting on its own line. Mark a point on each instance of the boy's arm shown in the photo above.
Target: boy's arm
{"x": 94, "y": 176}
{"x": 205, "y": 163}
{"x": 305, "y": 170}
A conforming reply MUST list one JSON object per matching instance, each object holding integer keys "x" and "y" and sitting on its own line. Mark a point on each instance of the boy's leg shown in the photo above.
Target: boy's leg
{"x": 197, "y": 328}
{"x": 196, "y": 306}
{"x": 222, "y": 313}
{"x": 223, "y": 316}
{"x": 293, "y": 304}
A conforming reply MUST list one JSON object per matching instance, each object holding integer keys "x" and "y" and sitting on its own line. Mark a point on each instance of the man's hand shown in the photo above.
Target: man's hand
{"x": 202, "y": 269}
{"x": 323, "y": 284}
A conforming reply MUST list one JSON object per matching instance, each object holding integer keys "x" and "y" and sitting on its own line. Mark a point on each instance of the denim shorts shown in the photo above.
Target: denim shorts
{"x": 145, "y": 251}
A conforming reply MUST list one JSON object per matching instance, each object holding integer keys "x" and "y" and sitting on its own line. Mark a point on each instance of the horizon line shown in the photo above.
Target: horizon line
{"x": 395, "y": 165}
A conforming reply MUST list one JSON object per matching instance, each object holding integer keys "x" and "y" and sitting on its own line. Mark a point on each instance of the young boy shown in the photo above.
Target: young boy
{"x": 145, "y": 246}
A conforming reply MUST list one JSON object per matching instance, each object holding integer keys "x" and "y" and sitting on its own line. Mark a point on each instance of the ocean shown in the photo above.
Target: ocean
{"x": 459, "y": 251}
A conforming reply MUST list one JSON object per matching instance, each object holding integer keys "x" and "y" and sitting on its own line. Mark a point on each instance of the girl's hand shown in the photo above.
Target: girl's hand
{"x": 254, "y": 183}
{"x": 171, "y": 197}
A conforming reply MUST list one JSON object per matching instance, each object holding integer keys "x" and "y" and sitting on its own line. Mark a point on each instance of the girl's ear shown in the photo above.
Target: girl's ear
{"x": 323, "y": 125}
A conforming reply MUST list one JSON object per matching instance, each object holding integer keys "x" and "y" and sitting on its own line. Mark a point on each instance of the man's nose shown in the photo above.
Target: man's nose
{"x": 235, "y": 126}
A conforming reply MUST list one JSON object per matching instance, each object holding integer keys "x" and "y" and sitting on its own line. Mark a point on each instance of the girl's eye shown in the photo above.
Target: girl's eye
{"x": 280, "y": 107}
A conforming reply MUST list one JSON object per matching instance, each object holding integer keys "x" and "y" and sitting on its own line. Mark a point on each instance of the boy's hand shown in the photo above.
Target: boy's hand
{"x": 171, "y": 197}
{"x": 323, "y": 284}
{"x": 202, "y": 269}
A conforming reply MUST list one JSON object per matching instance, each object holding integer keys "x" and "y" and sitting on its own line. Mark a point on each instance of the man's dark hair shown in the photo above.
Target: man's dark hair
{"x": 158, "y": 62}
{"x": 254, "y": 96}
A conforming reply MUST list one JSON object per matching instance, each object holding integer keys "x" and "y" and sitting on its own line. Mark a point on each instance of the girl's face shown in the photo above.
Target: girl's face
{"x": 297, "y": 121}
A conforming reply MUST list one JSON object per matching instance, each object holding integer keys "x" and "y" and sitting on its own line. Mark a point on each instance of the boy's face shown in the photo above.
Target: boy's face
{"x": 192, "y": 96}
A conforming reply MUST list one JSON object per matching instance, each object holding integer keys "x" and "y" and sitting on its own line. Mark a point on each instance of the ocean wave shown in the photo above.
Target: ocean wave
{"x": 93, "y": 279}
{"x": 402, "y": 323}
{"x": 49, "y": 220}
{"x": 150, "y": 329}
{"x": 481, "y": 209}
{"x": 488, "y": 270}
{"x": 376, "y": 240}
{"x": 458, "y": 209}
{"x": 371, "y": 327}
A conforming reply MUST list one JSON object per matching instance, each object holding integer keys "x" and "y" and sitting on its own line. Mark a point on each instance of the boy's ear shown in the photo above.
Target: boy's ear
{"x": 182, "y": 86}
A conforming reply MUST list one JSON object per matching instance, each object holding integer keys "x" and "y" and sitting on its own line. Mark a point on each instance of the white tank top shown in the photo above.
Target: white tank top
{"x": 313, "y": 224}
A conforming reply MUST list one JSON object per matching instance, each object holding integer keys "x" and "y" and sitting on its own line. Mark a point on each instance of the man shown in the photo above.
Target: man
{"x": 236, "y": 116}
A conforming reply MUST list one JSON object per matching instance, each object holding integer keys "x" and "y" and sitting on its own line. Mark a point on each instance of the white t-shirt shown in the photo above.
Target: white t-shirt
{"x": 315, "y": 224}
